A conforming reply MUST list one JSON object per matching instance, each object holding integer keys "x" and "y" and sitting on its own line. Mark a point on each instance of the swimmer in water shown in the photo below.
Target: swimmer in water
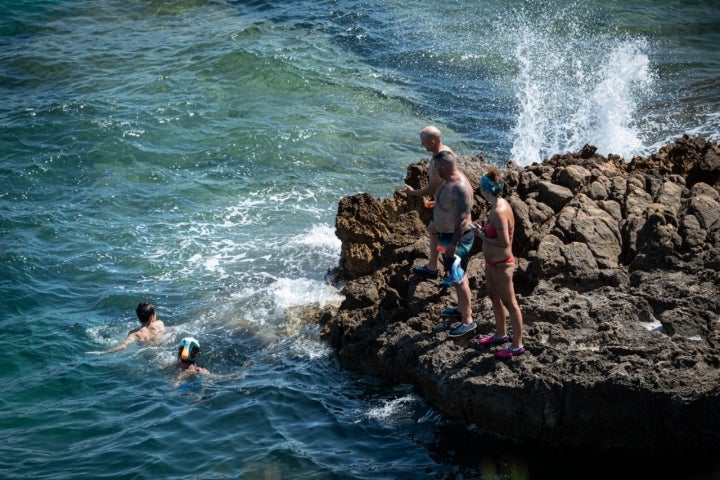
{"x": 188, "y": 353}
{"x": 149, "y": 331}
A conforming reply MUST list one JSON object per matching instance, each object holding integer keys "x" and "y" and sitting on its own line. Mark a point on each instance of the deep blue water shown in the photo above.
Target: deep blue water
{"x": 192, "y": 153}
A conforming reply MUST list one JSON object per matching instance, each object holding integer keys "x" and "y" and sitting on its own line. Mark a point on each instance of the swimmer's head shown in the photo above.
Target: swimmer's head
{"x": 189, "y": 350}
{"x": 145, "y": 312}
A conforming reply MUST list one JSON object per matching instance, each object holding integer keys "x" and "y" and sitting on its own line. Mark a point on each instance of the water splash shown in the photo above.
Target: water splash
{"x": 576, "y": 84}
{"x": 390, "y": 409}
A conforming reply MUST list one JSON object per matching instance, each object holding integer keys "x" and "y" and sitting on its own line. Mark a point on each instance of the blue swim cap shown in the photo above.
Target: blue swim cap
{"x": 189, "y": 349}
{"x": 490, "y": 186}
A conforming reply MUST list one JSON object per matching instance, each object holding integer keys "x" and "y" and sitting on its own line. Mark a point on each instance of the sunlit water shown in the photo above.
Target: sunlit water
{"x": 192, "y": 153}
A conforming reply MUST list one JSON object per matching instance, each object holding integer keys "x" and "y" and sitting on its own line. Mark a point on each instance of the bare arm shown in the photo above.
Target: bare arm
{"x": 463, "y": 206}
{"x": 433, "y": 184}
{"x": 128, "y": 341}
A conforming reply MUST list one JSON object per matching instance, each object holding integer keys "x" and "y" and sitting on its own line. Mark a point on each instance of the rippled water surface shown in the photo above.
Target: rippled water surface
{"x": 192, "y": 153}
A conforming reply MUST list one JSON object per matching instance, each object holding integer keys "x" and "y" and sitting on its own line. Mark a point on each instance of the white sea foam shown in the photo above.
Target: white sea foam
{"x": 289, "y": 292}
{"x": 321, "y": 236}
{"x": 310, "y": 348}
{"x": 391, "y": 408}
{"x": 709, "y": 129}
{"x": 108, "y": 335}
{"x": 576, "y": 86}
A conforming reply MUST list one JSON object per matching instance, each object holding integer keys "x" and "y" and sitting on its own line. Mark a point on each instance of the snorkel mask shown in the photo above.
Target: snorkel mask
{"x": 189, "y": 350}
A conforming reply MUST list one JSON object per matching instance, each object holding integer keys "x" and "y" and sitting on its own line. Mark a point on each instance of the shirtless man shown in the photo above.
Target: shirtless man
{"x": 431, "y": 139}
{"x": 150, "y": 329}
{"x": 451, "y": 218}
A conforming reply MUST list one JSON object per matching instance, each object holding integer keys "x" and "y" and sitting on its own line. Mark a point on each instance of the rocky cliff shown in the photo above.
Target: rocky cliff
{"x": 617, "y": 277}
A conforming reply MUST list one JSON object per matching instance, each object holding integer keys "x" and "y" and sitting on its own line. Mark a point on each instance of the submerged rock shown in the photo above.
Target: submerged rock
{"x": 617, "y": 277}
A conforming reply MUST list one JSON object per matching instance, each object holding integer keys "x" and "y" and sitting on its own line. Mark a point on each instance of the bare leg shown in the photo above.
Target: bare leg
{"x": 494, "y": 286}
{"x": 509, "y": 300}
{"x": 433, "y": 258}
{"x": 463, "y": 296}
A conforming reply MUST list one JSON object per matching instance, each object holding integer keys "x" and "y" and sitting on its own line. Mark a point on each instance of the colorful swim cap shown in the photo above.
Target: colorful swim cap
{"x": 490, "y": 186}
{"x": 189, "y": 349}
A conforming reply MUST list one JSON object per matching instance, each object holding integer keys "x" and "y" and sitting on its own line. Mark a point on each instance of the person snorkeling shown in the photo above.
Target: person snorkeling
{"x": 188, "y": 353}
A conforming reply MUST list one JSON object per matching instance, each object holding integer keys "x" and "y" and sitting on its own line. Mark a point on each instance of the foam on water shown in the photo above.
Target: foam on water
{"x": 392, "y": 409}
{"x": 310, "y": 348}
{"x": 577, "y": 84}
{"x": 193, "y": 155}
{"x": 319, "y": 236}
{"x": 708, "y": 128}
{"x": 293, "y": 292}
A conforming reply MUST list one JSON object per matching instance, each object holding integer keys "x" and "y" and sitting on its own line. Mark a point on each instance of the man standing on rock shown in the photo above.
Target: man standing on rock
{"x": 451, "y": 218}
{"x": 431, "y": 139}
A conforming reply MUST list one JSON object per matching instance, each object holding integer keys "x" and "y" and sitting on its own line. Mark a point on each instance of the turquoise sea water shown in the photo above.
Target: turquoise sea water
{"x": 192, "y": 153}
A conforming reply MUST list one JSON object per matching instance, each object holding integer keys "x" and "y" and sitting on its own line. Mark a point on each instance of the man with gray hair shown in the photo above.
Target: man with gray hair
{"x": 431, "y": 139}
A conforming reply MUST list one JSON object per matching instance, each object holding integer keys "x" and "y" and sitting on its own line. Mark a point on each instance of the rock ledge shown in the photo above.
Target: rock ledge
{"x": 618, "y": 282}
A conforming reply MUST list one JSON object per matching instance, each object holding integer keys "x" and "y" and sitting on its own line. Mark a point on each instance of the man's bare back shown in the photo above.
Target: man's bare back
{"x": 150, "y": 331}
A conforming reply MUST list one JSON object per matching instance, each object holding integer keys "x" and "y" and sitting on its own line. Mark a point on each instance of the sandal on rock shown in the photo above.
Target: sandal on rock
{"x": 493, "y": 340}
{"x": 509, "y": 352}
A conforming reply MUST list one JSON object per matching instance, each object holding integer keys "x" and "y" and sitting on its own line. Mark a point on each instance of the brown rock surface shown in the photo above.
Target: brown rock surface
{"x": 618, "y": 282}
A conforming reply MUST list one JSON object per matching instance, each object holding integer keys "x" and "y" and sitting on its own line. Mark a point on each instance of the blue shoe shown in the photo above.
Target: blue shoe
{"x": 462, "y": 330}
{"x": 450, "y": 312}
{"x": 446, "y": 282}
{"x": 426, "y": 272}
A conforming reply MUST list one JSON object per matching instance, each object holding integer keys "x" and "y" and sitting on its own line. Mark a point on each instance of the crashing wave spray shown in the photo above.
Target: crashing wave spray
{"x": 575, "y": 86}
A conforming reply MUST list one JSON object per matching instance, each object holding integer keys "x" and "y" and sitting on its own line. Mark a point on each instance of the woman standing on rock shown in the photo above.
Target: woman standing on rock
{"x": 497, "y": 237}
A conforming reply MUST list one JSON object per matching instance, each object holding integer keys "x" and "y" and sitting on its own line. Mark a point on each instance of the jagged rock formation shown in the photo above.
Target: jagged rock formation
{"x": 618, "y": 282}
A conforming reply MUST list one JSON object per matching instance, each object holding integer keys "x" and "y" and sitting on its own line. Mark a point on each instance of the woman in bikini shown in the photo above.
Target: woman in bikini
{"x": 497, "y": 237}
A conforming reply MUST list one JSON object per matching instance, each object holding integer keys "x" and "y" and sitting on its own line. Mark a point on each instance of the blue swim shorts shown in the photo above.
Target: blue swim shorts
{"x": 462, "y": 250}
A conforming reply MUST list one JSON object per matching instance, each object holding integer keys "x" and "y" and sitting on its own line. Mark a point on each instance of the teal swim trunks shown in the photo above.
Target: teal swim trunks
{"x": 462, "y": 250}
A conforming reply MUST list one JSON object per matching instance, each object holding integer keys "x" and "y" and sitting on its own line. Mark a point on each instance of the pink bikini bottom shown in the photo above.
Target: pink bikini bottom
{"x": 491, "y": 264}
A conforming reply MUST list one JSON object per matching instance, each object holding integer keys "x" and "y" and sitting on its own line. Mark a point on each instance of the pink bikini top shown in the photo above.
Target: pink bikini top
{"x": 490, "y": 231}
